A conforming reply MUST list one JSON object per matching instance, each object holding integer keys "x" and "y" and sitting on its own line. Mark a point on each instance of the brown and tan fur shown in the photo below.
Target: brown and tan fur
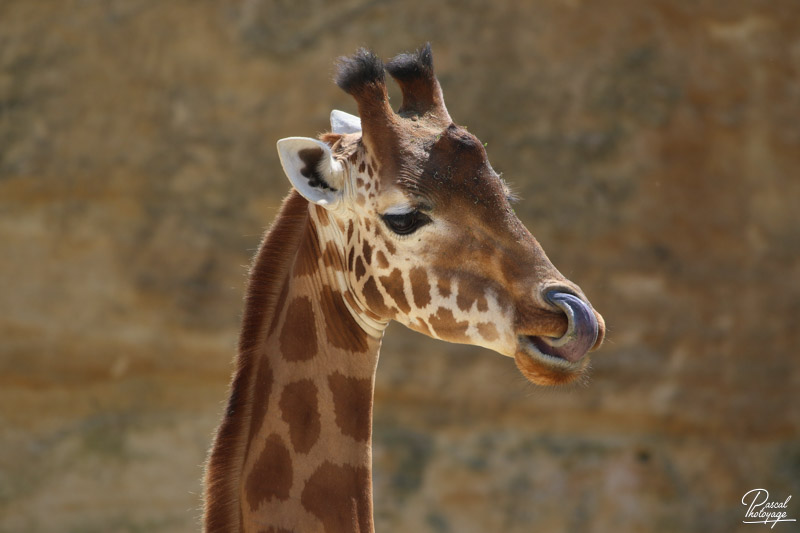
{"x": 293, "y": 452}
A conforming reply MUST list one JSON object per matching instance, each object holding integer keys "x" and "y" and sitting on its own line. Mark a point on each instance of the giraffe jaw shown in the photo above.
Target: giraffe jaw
{"x": 541, "y": 367}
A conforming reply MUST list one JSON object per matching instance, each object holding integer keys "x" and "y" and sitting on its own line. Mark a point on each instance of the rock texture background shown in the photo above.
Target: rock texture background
{"x": 656, "y": 146}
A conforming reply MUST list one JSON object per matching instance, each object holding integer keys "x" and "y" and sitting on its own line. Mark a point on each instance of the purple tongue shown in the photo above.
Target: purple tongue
{"x": 581, "y": 332}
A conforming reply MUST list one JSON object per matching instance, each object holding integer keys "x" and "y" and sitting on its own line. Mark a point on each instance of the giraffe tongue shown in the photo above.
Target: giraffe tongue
{"x": 581, "y": 332}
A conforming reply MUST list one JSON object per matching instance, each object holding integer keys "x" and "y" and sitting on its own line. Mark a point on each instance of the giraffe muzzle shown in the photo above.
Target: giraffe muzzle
{"x": 582, "y": 330}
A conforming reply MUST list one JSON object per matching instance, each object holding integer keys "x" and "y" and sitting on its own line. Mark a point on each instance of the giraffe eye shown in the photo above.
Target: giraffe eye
{"x": 405, "y": 223}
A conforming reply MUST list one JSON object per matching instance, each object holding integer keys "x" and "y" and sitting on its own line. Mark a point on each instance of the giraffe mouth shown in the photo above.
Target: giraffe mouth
{"x": 575, "y": 343}
{"x": 542, "y": 349}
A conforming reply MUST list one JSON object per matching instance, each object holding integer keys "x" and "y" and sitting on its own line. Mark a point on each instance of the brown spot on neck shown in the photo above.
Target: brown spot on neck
{"x": 331, "y": 258}
{"x": 300, "y": 410}
{"x": 271, "y": 477}
{"x": 341, "y": 329}
{"x": 262, "y": 388}
{"x": 306, "y": 261}
{"x": 352, "y": 404}
{"x": 341, "y": 497}
{"x": 298, "y": 339}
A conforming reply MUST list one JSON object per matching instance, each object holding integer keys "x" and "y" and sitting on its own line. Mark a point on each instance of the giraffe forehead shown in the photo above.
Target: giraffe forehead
{"x": 447, "y": 170}
{"x": 425, "y": 164}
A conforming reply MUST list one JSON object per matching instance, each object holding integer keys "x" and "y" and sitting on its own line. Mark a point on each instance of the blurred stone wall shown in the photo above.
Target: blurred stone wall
{"x": 656, "y": 146}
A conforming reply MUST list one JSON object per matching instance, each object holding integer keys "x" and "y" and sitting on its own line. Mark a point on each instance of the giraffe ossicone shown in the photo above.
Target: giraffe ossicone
{"x": 393, "y": 215}
{"x": 342, "y": 122}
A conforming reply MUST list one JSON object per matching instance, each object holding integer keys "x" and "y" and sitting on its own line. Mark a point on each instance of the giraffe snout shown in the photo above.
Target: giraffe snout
{"x": 584, "y": 329}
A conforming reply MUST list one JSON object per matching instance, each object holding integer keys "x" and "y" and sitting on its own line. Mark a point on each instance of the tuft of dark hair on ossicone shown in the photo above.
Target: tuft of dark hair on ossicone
{"x": 418, "y": 64}
{"x": 422, "y": 94}
{"x": 362, "y": 68}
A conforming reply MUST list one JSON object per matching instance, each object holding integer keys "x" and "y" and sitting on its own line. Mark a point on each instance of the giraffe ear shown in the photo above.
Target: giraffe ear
{"x": 342, "y": 122}
{"x": 312, "y": 169}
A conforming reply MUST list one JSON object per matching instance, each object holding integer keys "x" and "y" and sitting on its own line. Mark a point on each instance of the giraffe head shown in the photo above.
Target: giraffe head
{"x": 416, "y": 226}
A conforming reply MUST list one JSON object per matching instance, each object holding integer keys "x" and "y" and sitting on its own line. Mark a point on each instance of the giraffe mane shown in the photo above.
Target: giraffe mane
{"x": 267, "y": 272}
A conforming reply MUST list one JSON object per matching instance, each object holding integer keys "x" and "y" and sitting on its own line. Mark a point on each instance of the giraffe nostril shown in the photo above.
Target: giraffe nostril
{"x": 552, "y": 290}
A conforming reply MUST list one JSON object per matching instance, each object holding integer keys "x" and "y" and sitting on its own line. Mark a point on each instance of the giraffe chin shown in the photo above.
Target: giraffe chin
{"x": 543, "y": 368}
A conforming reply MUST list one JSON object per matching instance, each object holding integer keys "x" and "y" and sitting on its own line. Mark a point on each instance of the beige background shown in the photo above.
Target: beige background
{"x": 656, "y": 146}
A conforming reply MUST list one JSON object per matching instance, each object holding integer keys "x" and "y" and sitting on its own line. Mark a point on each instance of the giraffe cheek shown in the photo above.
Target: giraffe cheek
{"x": 380, "y": 257}
{"x": 420, "y": 288}
{"x": 447, "y": 327}
{"x": 394, "y": 286}
{"x": 359, "y": 269}
{"x": 488, "y": 331}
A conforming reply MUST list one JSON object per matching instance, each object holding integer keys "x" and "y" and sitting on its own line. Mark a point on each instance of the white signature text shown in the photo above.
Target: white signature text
{"x": 762, "y": 511}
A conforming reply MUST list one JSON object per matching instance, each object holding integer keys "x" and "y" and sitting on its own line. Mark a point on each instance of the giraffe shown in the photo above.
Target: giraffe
{"x": 391, "y": 216}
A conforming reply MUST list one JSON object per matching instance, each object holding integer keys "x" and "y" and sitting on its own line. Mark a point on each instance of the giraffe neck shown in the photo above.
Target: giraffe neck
{"x": 306, "y": 376}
